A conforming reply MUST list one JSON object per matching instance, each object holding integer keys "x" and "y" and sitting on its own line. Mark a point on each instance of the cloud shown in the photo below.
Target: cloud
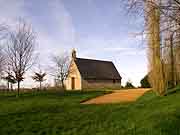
{"x": 98, "y": 46}
{"x": 126, "y": 51}
{"x": 63, "y": 21}
{"x": 50, "y": 20}
{"x": 9, "y": 9}
{"x": 119, "y": 49}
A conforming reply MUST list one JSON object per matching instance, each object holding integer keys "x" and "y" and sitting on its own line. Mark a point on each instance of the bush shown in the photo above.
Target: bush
{"x": 129, "y": 85}
{"x": 145, "y": 83}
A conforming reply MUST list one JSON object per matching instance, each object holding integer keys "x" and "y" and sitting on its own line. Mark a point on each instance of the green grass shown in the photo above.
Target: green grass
{"x": 55, "y": 113}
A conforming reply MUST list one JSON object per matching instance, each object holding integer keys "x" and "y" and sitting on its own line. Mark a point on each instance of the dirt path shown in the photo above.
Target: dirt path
{"x": 117, "y": 96}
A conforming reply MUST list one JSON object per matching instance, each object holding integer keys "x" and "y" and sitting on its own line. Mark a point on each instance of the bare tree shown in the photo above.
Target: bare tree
{"x": 20, "y": 50}
{"x": 61, "y": 69}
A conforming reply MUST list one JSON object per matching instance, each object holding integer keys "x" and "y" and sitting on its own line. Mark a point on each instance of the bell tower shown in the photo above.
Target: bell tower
{"x": 73, "y": 55}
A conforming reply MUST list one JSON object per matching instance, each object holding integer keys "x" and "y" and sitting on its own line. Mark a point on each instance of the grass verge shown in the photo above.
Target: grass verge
{"x": 60, "y": 113}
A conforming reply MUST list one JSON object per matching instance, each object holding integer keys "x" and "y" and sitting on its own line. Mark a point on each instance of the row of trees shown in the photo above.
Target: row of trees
{"x": 162, "y": 30}
{"x": 17, "y": 56}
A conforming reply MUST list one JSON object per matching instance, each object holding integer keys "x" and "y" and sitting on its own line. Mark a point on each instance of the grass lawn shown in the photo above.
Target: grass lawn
{"x": 55, "y": 113}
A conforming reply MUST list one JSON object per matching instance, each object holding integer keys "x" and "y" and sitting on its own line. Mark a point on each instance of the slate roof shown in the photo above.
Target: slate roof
{"x": 97, "y": 69}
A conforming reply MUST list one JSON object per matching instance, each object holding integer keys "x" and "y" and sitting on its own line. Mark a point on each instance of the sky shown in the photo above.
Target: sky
{"x": 97, "y": 29}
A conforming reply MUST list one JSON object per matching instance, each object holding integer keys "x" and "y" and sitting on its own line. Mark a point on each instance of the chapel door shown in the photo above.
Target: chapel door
{"x": 73, "y": 83}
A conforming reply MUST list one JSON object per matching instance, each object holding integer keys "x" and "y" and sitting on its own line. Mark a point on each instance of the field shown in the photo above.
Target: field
{"x": 57, "y": 113}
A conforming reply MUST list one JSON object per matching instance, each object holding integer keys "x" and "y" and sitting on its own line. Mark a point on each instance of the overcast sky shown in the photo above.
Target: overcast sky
{"x": 98, "y": 29}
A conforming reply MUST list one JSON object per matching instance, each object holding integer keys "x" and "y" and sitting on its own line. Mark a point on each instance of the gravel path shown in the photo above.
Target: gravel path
{"x": 118, "y": 96}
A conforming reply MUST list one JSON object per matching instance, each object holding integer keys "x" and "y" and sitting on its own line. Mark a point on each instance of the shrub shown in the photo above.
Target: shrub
{"x": 145, "y": 83}
{"x": 129, "y": 85}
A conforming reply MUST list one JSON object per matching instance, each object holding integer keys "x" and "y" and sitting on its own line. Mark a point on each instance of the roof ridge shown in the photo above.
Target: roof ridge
{"x": 95, "y": 60}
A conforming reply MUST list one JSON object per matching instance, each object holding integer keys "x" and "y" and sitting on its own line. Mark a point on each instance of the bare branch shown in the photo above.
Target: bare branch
{"x": 61, "y": 69}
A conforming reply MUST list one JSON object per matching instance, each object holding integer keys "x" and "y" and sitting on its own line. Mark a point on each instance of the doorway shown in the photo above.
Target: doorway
{"x": 73, "y": 83}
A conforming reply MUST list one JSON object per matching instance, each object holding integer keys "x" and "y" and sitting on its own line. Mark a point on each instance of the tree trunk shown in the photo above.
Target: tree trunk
{"x": 18, "y": 87}
{"x": 172, "y": 62}
{"x": 11, "y": 87}
{"x": 62, "y": 82}
{"x": 8, "y": 85}
{"x": 40, "y": 85}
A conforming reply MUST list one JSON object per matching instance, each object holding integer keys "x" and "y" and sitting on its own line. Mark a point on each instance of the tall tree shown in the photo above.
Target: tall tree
{"x": 155, "y": 63}
{"x": 20, "y": 50}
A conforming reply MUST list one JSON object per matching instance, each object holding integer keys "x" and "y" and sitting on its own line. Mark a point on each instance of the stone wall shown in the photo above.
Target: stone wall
{"x": 95, "y": 84}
